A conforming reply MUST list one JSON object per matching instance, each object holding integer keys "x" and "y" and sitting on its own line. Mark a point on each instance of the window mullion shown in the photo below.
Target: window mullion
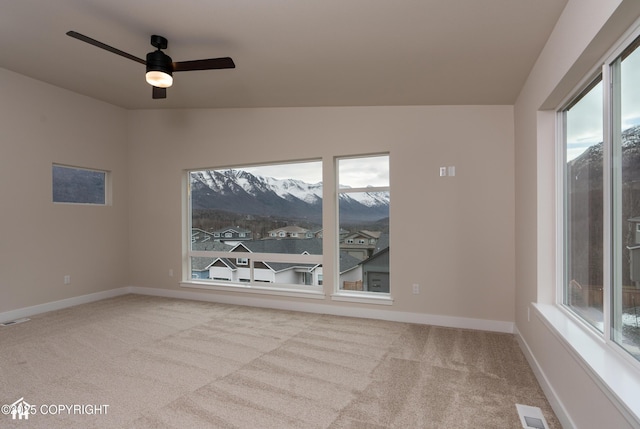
{"x": 616, "y": 227}
{"x": 611, "y": 202}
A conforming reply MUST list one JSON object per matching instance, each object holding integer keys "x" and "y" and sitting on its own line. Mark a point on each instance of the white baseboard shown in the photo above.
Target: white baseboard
{"x": 336, "y": 310}
{"x": 547, "y": 388}
{"x": 252, "y": 301}
{"x": 63, "y": 303}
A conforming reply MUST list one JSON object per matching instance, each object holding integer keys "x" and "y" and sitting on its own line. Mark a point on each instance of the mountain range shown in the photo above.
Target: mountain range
{"x": 239, "y": 191}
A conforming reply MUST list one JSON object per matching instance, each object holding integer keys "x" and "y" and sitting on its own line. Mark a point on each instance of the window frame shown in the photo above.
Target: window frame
{"x": 253, "y": 285}
{"x": 604, "y": 69}
{"x": 106, "y": 183}
{"x": 366, "y": 297}
{"x": 562, "y": 291}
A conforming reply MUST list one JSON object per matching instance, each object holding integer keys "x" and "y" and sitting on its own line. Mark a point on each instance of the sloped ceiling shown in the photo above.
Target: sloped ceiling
{"x": 287, "y": 52}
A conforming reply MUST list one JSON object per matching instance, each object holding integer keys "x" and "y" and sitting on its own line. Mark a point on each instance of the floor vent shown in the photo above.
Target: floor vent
{"x": 531, "y": 417}
{"x": 14, "y": 322}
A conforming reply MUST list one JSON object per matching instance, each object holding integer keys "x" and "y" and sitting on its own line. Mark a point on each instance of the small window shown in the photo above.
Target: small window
{"x": 242, "y": 261}
{"x": 79, "y": 185}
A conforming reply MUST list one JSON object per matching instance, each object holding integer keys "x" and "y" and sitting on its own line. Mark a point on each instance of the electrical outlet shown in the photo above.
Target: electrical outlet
{"x": 171, "y": 273}
{"x": 416, "y": 288}
{"x": 67, "y": 279}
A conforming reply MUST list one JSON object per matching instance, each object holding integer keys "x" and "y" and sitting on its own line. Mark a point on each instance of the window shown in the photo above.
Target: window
{"x": 363, "y": 210}
{"x": 584, "y": 205}
{"x": 259, "y": 200}
{"x": 79, "y": 185}
{"x": 602, "y": 202}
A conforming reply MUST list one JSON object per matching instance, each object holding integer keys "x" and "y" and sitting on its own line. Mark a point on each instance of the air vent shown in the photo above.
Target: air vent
{"x": 15, "y": 322}
{"x": 531, "y": 417}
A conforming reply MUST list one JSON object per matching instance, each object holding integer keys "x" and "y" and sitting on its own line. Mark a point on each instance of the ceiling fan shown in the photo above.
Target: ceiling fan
{"x": 159, "y": 65}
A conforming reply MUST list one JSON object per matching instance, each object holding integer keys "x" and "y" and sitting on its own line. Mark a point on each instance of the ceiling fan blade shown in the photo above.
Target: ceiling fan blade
{"x": 94, "y": 42}
{"x": 159, "y": 92}
{"x": 210, "y": 64}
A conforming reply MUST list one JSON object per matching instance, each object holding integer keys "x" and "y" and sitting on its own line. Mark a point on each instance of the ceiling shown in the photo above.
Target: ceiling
{"x": 288, "y": 53}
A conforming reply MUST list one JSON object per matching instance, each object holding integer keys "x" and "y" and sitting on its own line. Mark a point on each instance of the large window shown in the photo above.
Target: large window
{"x": 257, "y": 226}
{"x": 78, "y": 185}
{"x": 363, "y": 211}
{"x": 602, "y": 202}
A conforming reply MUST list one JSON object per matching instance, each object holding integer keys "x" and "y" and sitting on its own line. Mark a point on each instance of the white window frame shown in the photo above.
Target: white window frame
{"x": 365, "y": 297}
{"x": 253, "y": 285}
{"x": 607, "y": 79}
{"x": 615, "y": 371}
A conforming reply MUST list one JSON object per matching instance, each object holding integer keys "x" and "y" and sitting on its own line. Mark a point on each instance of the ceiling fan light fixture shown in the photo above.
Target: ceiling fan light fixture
{"x": 159, "y": 69}
{"x": 159, "y": 78}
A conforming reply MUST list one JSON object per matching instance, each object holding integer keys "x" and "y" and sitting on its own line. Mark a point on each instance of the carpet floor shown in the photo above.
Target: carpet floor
{"x": 148, "y": 362}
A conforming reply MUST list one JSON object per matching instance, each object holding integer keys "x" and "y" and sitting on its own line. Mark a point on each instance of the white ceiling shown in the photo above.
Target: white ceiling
{"x": 287, "y": 52}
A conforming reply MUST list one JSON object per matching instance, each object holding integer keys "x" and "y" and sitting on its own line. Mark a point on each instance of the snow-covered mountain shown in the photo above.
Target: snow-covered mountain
{"x": 242, "y": 192}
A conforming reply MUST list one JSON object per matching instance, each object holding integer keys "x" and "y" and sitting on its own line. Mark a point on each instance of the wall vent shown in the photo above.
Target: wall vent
{"x": 531, "y": 417}
{"x": 14, "y": 322}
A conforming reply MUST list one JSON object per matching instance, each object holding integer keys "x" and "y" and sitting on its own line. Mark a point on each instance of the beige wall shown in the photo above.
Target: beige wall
{"x": 585, "y": 31}
{"x": 41, "y": 242}
{"x": 453, "y": 236}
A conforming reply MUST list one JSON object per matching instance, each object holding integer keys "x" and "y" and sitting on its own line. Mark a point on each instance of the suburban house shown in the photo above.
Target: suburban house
{"x": 235, "y": 268}
{"x": 291, "y": 231}
{"x": 360, "y": 244}
{"x": 232, "y": 234}
{"x": 469, "y": 101}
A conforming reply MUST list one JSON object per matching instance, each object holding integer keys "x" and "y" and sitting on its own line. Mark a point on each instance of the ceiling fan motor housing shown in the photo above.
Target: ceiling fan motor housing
{"x": 159, "y": 61}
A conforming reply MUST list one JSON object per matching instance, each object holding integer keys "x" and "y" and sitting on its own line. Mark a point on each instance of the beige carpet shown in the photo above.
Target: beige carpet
{"x": 165, "y": 363}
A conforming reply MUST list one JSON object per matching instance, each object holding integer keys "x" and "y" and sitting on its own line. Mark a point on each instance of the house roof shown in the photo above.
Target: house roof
{"x": 233, "y": 229}
{"x": 294, "y": 246}
{"x": 313, "y": 246}
{"x": 348, "y": 262}
{"x": 290, "y": 229}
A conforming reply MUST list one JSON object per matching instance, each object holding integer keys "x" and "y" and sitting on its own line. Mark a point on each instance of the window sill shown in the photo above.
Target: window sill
{"x": 363, "y": 297}
{"x": 262, "y": 290}
{"x": 618, "y": 378}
